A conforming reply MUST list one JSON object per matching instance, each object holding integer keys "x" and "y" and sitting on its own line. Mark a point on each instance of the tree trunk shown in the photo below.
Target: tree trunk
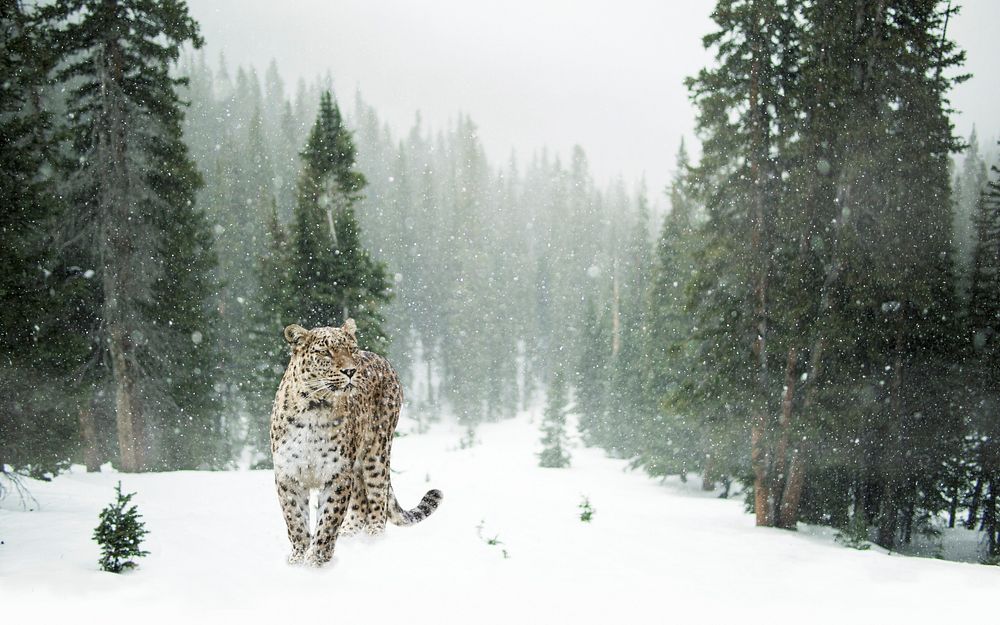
{"x": 788, "y": 516}
{"x": 889, "y": 513}
{"x": 616, "y": 330}
{"x": 759, "y": 459}
{"x": 782, "y": 462}
{"x": 761, "y": 455}
{"x": 88, "y": 437}
{"x": 990, "y": 520}
{"x": 977, "y": 493}
{"x": 796, "y": 480}
{"x": 128, "y": 413}
{"x": 124, "y": 280}
{"x": 953, "y": 506}
{"x": 708, "y": 475}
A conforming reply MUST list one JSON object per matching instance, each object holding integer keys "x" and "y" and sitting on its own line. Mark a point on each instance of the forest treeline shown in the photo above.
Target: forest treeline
{"x": 814, "y": 318}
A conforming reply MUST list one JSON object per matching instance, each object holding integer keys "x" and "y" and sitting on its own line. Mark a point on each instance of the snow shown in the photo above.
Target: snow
{"x": 654, "y": 550}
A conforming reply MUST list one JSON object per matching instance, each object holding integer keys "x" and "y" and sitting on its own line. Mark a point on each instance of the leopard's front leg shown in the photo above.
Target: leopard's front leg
{"x": 333, "y": 499}
{"x": 294, "y": 499}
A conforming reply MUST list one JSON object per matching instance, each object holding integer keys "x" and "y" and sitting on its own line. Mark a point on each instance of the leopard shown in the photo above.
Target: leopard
{"x": 332, "y": 426}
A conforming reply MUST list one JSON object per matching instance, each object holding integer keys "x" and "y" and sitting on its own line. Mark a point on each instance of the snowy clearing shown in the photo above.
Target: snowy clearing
{"x": 217, "y": 542}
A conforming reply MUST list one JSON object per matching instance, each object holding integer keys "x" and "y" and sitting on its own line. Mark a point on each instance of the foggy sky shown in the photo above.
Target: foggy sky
{"x": 606, "y": 74}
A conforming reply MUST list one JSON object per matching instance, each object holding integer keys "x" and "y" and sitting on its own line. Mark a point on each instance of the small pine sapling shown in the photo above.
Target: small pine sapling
{"x": 120, "y": 533}
{"x": 468, "y": 439}
{"x": 855, "y": 535}
{"x": 586, "y": 511}
{"x": 554, "y": 440}
{"x": 495, "y": 541}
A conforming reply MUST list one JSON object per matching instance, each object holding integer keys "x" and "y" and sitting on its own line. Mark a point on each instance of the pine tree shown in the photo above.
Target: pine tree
{"x": 270, "y": 313}
{"x": 968, "y": 185}
{"x": 983, "y": 322}
{"x": 120, "y": 533}
{"x": 132, "y": 176}
{"x": 984, "y": 306}
{"x": 42, "y": 304}
{"x": 676, "y": 436}
{"x": 745, "y": 106}
{"x": 333, "y": 276}
{"x": 554, "y": 453}
{"x": 825, "y": 164}
{"x": 592, "y": 383}
{"x": 190, "y": 432}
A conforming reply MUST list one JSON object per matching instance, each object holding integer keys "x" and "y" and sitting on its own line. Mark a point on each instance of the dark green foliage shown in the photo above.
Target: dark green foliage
{"x": 554, "y": 441}
{"x": 46, "y": 311}
{"x": 855, "y": 534}
{"x": 333, "y": 277}
{"x": 318, "y": 272}
{"x": 130, "y": 216}
{"x": 984, "y": 305}
{"x": 982, "y": 392}
{"x": 493, "y": 542}
{"x": 592, "y": 381}
{"x": 265, "y": 337}
{"x": 804, "y": 295}
{"x": 586, "y": 510}
{"x": 191, "y": 430}
{"x": 120, "y": 533}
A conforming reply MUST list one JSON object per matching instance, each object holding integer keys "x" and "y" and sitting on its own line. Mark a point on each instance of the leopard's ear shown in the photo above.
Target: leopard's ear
{"x": 295, "y": 333}
{"x": 351, "y": 328}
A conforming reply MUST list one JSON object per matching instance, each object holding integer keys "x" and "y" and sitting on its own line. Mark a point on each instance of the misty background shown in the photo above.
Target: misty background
{"x": 605, "y": 74}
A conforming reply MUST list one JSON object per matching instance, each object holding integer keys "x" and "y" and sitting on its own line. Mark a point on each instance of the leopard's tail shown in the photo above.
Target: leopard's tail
{"x": 427, "y": 505}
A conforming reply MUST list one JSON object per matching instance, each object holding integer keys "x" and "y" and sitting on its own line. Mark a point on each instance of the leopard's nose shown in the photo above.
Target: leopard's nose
{"x": 348, "y": 372}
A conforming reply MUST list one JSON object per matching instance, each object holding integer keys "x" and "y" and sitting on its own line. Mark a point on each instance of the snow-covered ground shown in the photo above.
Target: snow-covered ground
{"x": 654, "y": 552}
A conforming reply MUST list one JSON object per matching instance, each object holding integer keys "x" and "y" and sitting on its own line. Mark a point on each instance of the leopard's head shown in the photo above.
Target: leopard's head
{"x": 324, "y": 358}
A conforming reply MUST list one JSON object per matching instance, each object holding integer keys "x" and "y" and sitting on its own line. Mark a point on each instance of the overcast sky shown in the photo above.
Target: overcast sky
{"x": 606, "y": 74}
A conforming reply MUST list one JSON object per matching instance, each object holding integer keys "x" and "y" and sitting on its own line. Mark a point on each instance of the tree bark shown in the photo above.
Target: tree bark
{"x": 761, "y": 455}
{"x": 120, "y": 231}
{"x": 953, "y": 506}
{"x": 88, "y": 437}
{"x": 795, "y": 482}
{"x": 616, "y": 330}
{"x": 759, "y": 459}
{"x": 889, "y": 513}
{"x": 128, "y": 413}
{"x": 977, "y": 493}
{"x": 785, "y": 423}
{"x": 708, "y": 475}
{"x": 781, "y": 459}
{"x": 990, "y": 520}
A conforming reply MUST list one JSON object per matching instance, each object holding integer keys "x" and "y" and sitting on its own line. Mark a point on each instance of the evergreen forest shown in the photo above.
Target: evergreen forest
{"x": 812, "y": 321}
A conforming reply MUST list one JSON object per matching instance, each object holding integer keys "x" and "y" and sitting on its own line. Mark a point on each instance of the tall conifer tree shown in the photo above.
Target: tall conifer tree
{"x": 133, "y": 185}
{"x": 45, "y": 308}
{"x": 333, "y": 276}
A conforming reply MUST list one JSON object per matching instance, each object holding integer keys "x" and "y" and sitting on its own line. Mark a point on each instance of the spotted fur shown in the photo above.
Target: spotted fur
{"x": 332, "y": 427}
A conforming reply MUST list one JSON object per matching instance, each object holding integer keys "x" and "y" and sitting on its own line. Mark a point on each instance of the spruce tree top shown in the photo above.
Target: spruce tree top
{"x": 330, "y": 149}
{"x": 146, "y": 34}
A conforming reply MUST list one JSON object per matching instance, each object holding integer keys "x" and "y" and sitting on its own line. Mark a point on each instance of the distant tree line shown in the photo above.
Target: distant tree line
{"x": 486, "y": 267}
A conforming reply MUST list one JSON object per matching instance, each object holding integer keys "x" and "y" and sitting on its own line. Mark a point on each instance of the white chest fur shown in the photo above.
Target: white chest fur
{"x": 312, "y": 448}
